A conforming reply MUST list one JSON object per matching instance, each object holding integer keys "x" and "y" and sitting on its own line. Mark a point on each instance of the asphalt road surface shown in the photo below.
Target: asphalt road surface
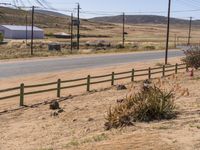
{"x": 31, "y": 67}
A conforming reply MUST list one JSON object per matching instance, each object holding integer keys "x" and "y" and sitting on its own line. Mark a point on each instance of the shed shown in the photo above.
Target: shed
{"x": 21, "y": 32}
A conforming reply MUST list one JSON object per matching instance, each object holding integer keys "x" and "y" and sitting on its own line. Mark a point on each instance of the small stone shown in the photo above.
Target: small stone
{"x": 60, "y": 111}
{"x": 45, "y": 102}
{"x": 54, "y": 105}
{"x": 54, "y": 114}
{"x": 90, "y": 119}
{"x": 74, "y": 120}
{"x": 41, "y": 118}
{"x": 120, "y": 100}
{"x": 121, "y": 87}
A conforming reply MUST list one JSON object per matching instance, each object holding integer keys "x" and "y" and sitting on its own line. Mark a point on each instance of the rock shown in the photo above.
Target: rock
{"x": 74, "y": 120}
{"x": 54, "y": 114}
{"x": 45, "y": 102}
{"x": 54, "y": 105}
{"x": 90, "y": 119}
{"x": 121, "y": 87}
{"x": 146, "y": 85}
{"x": 60, "y": 111}
{"x": 41, "y": 118}
{"x": 120, "y": 100}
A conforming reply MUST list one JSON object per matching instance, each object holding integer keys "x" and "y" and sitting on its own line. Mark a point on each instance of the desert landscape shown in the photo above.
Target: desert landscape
{"x": 87, "y": 76}
{"x": 81, "y": 124}
{"x": 98, "y": 35}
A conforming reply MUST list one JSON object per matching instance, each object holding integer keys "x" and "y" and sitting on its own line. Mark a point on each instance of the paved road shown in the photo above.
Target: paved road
{"x": 30, "y": 67}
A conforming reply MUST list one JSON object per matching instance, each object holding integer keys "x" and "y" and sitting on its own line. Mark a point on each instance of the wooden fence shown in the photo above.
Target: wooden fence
{"x": 89, "y": 80}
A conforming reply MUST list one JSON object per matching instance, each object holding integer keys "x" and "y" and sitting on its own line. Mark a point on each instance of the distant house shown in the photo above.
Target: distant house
{"x": 21, "y": 32}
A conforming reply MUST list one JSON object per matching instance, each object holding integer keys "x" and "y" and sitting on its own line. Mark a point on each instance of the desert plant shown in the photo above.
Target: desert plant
{"x": 146, "y": 105}
{"x": 192, "y": 58}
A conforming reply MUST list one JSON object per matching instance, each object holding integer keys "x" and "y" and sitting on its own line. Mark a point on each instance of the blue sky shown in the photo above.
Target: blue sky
{"x": 91, "y": 8}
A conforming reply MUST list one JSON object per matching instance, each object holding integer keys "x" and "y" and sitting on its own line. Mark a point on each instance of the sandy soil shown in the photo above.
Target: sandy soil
{"x": 81, "y": 125}
{"x": 52, "y": 77}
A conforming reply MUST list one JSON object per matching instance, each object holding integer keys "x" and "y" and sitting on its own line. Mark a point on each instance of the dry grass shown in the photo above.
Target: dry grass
{"x": 140, "y": 38}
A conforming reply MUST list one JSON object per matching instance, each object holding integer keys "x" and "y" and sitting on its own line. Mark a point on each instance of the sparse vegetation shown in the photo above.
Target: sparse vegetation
{"x": 153, "y": 104}
{"x": 192, "y": 58}
{"x": 150, "y": 47}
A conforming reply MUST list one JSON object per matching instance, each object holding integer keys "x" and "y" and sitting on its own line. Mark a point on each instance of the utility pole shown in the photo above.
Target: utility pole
{"x": 72, "y": 25}
{"x": 123, "y": 34}
{"x": 32, "y": 34}
{"x": 168, "y": 26}
{"x": 78, "y": 26}
{"x": 26, "y": 28}
{"x": 189, "y": 35}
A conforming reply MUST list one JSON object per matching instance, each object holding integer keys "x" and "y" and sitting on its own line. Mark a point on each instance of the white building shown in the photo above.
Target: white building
{"x": 21, "y": 32}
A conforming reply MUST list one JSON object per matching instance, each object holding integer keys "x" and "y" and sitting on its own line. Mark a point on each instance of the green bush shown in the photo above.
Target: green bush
{"x": 153, "y": 104}
{"x": 192, "y": 58}
{"x": 1, "y": 37}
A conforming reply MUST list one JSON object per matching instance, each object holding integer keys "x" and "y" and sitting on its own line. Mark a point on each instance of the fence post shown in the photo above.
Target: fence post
{"x": 149, "y": 76}
{"x": 21, "y": 95}
{"x": 58, "y": 87}
{"x": 176, "y": 68}
{"x": 163, "y": 73}
{"x": 113, "y": 79}
{"x": 88, "y": 83}
{"x": 133, "y": 75}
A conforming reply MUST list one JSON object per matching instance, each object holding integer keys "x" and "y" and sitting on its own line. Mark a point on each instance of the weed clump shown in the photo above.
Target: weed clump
{"x": 146, "y": 105}
{"x": 192, "y": 58}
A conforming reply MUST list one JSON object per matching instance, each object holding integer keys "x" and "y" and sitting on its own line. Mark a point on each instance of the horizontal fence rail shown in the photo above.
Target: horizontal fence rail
{"x": 90, "y": 80}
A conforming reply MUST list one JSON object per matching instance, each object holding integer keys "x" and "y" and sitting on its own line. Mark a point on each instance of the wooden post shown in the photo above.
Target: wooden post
{"x": 133, "y": 75}
{"x": 149, "y": 76}
{"x": 176, "y": 68}
{"x": 113, "y": 79}
{"x": 163, "y": 74}
{"x": 21, "y": 95}
{"x": 88, "y": 83}
{"x": 58, "y": 87}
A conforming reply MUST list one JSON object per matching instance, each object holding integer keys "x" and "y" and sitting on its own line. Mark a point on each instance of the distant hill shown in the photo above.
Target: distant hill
{"x": 42, "y": 19}
{"x": 142, "y": 19}
{"x": 51, "y": 13}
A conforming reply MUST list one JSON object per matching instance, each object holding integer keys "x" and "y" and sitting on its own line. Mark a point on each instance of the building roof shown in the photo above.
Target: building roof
{"x": 21, "y": 28}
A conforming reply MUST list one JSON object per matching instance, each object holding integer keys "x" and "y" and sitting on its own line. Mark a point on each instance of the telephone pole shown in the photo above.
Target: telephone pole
{"x": 72, "y": 25}
{"x": 78, "y": 26}
{"x": 168, "y": 26}
{"x": 32, "y": 26}
{"x": 189, "y": 34}
{"x": 123, "y": 34}
{"x": 26, "y": 28}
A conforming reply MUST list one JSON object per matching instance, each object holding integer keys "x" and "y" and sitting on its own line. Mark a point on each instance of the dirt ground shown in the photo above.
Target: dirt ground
{"x": 81, "y": 125}
{"x": 68, "y": 75}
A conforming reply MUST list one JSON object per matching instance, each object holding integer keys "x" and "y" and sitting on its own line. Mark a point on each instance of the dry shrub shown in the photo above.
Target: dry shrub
{"x": 192, "y": 58}
{"x": 146, "y": 105}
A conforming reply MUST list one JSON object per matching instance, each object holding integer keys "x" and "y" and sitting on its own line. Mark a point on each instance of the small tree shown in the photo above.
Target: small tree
{"x": 192, "y": 58}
